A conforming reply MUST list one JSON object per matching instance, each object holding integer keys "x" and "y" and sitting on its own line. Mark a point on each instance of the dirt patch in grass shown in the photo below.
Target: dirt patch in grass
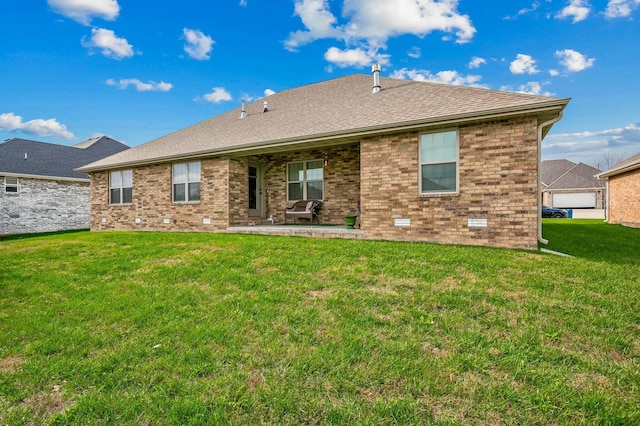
{"x": 431, "y": 349}
{"x": 590, "y": 381}
{"x": 26, "y": 250}
{"x": 46, "y": 404}
{"x": 262, "y": 266}
{"x": 207, "y": 247}
{"x": 319, "y": 294}
{"x": 383, "y": 290}
{"x": 517, "y": 295}
{"x": 448, "y": 284}
{"x": 11, "y": 364}
{"x": 254, "y": 381}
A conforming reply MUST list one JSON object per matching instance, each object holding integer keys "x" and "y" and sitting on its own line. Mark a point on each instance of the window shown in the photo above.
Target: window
{"x": 120, "y": 187}
{"x": 186, "y": 182}
{"x": 439, "y": 162}
{"x": 305, "y": 180}
{"x": 11, "y": 184}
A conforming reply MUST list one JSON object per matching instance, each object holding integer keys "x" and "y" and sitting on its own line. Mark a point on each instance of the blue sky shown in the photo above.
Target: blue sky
{"x": 137, "y": 70}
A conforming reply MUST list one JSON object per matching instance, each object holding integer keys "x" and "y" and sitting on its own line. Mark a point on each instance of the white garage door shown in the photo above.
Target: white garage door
{"x": 575, "y": 200}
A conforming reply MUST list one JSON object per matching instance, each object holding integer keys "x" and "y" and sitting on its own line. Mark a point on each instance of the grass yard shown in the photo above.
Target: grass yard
{"x": 188, "y": 329}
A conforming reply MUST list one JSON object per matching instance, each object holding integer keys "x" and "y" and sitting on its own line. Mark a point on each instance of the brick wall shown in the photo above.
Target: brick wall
{"x": 224, "y": 200}
{"x": 44, "y": 206}
{"x": 152, "y": 205}
{"x": 624, "y": 199}
{"x": 497, "y": 181}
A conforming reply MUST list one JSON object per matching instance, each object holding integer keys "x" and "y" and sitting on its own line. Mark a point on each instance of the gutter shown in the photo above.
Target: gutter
{"x": 44, "y": 177}
{"x": 619, "y": 170}
{"x": 539, "y": 201}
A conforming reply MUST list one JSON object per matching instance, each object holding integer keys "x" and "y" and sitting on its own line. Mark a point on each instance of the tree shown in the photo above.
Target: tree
{"x": 608, "y": 160}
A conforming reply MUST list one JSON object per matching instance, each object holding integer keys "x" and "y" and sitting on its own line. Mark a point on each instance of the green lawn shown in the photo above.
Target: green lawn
{"x": 180, "y": 328}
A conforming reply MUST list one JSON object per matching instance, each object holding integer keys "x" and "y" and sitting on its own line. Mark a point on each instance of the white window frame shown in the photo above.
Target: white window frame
{"x": 121, "y": 187}
{"x": 186, "y": 183}
{"x": 11, "y": 185}
{"x": 427, "y": 163}
{"x": 304, "y": 181}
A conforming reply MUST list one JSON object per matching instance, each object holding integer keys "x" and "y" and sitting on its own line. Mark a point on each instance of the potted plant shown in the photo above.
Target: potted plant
{"x": 350, "y": 219}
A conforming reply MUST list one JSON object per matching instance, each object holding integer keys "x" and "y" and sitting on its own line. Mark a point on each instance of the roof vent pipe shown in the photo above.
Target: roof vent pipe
{"x": 375, "y": 69}
{"x": 265, "y": 107}
{"x": 243, "y": 114}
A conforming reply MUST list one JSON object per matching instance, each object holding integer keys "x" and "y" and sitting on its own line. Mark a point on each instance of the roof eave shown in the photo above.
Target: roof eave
{"x": 44, "y": 177}
{"x": 551, "y": 105}
{"x": 619, "y": 170}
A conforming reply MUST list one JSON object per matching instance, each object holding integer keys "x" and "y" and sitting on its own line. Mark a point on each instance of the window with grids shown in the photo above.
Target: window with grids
{"x": 11, "y": 184}
{"x": 439, "y": 162}
{"x": 305, "y": 180}
{"x": 186, "y": 182}
{"x": 120, "y": 187}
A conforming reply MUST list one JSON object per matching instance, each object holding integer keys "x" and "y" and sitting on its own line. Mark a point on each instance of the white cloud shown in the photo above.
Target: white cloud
{"x": 198, "y": 45}
{"x": 243, "y": 3}
{"x": 111, "y": 46}
{"x": 217, "y": 95}
{"x": 554, "y": 72}
{"x": 574, "y": 61}
{"x": 630, "y": 133}
{"x": 576, "y": 9}
{"x": 590, "y": 147}
{"x": 318, "y": 20}
{"x": 620, "y": 8}
{"x": 476, "y": 61}
{"x": 414, "y": 53}
{"x": 83, "y": 11}
{"x": 445, "y": 77}
{"x": 523, "y": 64}
{"x": 39, "y": 127}
{"x": 370, "y": 23}
{"x": 269, "y": 92}
{"x": 354, "y": 57}
{"x": 139, "y": 85}
{"x": 533, "y": 88}
{"x": 381, "y": 19}
{"x": 534, "y": 6}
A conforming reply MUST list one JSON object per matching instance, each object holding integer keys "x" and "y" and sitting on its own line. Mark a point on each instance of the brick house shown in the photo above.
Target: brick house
{"x": 425, "y": 162}
{"x": 623, "y": 192}
{"x": 39, "y": 189}
{"x": 567, "y": 185}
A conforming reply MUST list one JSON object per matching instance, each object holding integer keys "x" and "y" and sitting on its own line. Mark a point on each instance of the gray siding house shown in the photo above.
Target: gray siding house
{"x": 39, "y": 189}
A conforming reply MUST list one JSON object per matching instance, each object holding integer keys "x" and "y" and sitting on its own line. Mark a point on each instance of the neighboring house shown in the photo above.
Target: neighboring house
{"x": 425, "y": 162}
{"x": 39, "y": 189}
{"x": 567, "y": 185}
{"x": 623, "y": 192}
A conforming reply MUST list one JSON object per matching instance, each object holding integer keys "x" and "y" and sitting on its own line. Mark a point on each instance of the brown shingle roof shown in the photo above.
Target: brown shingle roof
{"x": 551, "y": 170}
{"x": 331, "y": 109}
{"x": 580, "y": 176}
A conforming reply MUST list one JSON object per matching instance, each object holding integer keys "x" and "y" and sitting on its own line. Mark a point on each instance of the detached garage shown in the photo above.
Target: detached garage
{"x": 574, "y": 200}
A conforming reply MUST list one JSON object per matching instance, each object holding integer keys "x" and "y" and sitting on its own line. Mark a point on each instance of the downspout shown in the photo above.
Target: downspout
{"x": 539, "y": 201}
{"x": 606, "y": 200}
